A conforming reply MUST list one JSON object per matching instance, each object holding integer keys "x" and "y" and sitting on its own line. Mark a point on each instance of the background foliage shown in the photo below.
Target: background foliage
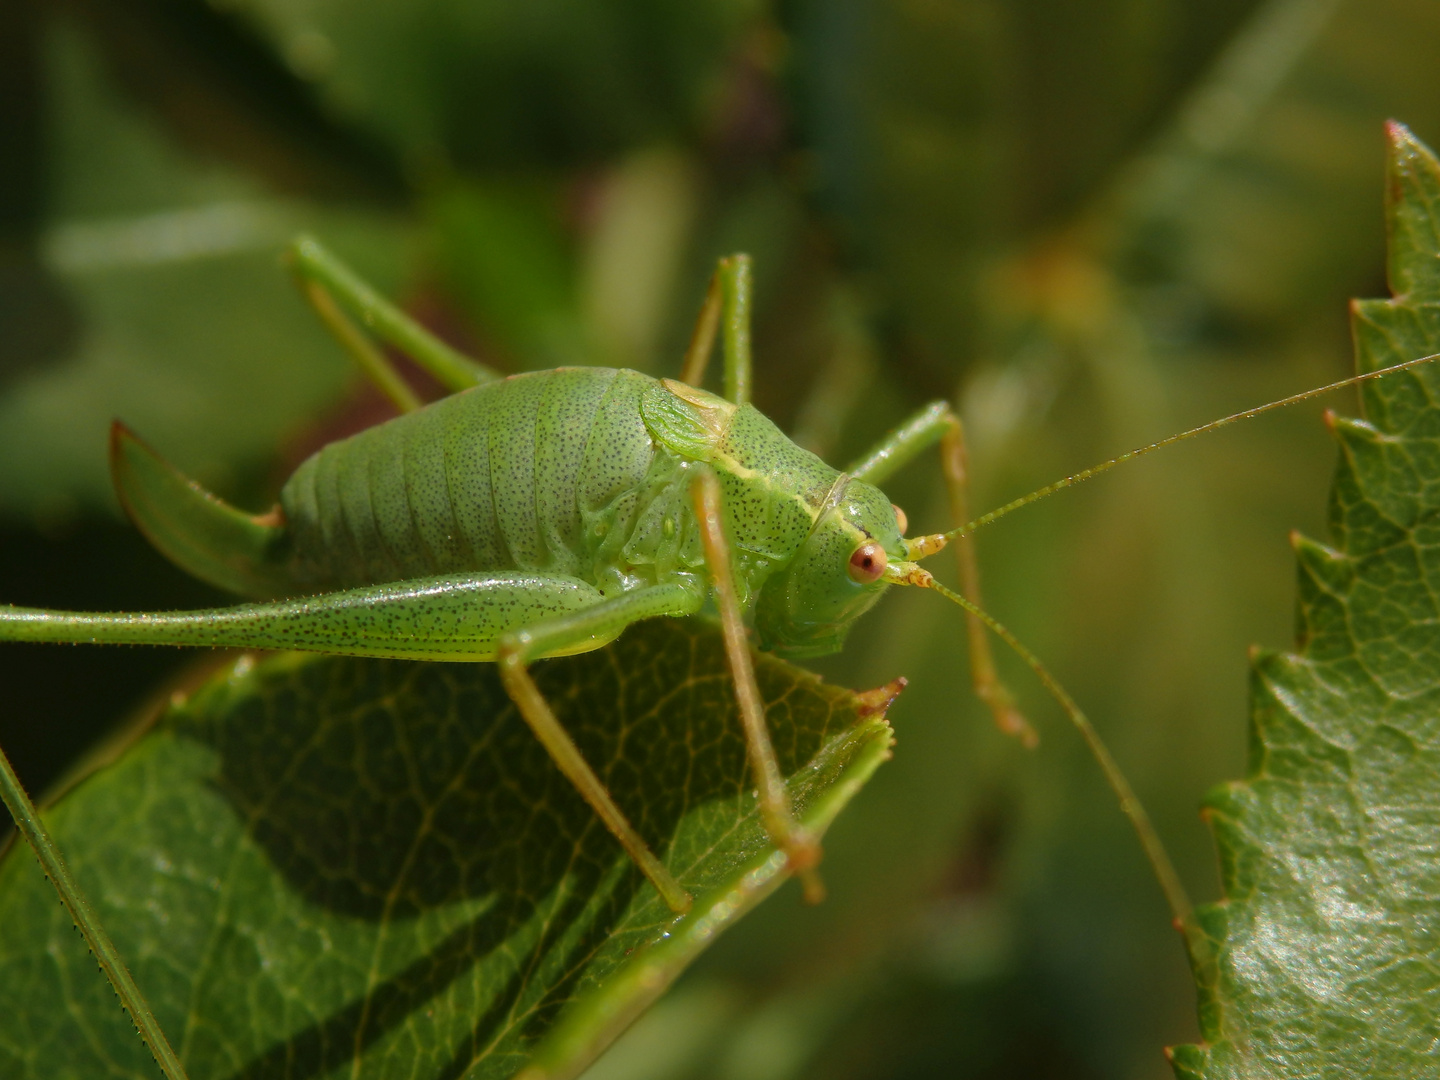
{"x": 1092, "y": 225}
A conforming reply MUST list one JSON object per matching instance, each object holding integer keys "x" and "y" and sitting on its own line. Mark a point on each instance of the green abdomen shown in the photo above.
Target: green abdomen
{"x": 508, "y": 476}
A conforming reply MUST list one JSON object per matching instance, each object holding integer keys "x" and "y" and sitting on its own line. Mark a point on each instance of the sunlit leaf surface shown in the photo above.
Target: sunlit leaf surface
{"x": 1326, "y": 939}
{"x": 322, "y": 866}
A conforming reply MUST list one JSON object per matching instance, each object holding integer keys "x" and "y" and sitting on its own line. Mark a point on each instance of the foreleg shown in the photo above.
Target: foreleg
{"x": 937, "y": 423}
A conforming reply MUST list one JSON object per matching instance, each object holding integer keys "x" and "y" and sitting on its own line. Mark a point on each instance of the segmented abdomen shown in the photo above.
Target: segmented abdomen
{"x": 501, "y": 477}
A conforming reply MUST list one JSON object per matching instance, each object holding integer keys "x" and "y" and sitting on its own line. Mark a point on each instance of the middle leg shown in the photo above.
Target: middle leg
{"x": 605, "y": 619}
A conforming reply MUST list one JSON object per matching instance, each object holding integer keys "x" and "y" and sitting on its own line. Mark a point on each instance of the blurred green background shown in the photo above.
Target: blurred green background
{"x": 1090, "y": 224}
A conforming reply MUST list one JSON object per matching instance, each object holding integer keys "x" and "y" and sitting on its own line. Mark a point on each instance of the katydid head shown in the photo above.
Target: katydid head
{"x": 807, "y": 606}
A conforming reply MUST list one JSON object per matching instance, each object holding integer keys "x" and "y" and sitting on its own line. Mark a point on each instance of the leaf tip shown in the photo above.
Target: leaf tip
{"x": 1189, "y": 1061}
{"x": 1222, "y": 802}
{"x": 1404, "y": 153}
{"x": 1412, "y": 185}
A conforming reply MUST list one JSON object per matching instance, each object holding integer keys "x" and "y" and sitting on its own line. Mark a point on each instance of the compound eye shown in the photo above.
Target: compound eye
{"x": 868, "y": 563}
{"x": 901, "y": 519}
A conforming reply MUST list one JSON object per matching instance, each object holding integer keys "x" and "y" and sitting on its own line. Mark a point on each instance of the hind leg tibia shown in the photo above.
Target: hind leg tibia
{"x": 726, "y": 310}
{"x": 332, "y": 288}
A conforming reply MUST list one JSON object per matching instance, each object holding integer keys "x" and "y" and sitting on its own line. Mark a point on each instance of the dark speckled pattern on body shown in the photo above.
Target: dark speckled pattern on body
{"x": 502, "y": 477}
{"x": 761, "y": 450}
{"x": 567, "y": 472}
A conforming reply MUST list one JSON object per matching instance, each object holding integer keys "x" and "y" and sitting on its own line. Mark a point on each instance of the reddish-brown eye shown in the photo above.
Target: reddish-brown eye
{"x": 868, "y": 563}
{"x": 901, "y": 519}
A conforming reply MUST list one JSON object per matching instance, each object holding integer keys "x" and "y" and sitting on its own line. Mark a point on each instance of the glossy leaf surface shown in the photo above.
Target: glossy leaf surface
{"x": 1326, "y": 939}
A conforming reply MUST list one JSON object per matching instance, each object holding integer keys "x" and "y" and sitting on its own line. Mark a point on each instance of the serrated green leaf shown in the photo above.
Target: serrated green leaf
{"x": 1326, "y": 939}
{"x": 321, "y": 866}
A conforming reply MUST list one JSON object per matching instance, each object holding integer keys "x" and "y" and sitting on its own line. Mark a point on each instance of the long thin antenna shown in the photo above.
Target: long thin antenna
{"x": 940, "y": 539}
{"x": 1181, "y": 910}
